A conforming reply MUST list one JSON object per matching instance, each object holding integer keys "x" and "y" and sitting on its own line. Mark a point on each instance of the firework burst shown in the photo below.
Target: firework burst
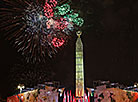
{"x": 38, "y": 28}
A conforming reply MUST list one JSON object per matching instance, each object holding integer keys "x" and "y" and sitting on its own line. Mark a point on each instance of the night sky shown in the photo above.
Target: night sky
{"x": 110, "y": 38}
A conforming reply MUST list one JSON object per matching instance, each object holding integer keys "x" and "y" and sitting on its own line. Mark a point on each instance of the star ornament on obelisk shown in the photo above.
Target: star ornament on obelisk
{"x": 79, "y": 67}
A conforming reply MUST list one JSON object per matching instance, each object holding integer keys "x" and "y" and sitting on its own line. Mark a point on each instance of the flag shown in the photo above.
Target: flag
{"x": 85, "y": 97}
{"x": 88, "y": 97}
{"x": 67, "y": 96}
{"x": 70, "y": 96}
{"x": 64, "y": 99}
{"x": 74, "y": 99}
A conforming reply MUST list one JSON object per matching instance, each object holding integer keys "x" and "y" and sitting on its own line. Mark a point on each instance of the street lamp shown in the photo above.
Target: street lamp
{"x": 135, "y": 85}
{"x": 21, "y": 86}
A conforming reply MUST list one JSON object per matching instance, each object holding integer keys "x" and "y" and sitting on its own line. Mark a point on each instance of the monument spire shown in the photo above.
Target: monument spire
{"x": 79, "y": 67}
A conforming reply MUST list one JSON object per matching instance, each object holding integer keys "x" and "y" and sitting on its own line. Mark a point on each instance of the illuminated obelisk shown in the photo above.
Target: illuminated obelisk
{"x": 79, "y": 67}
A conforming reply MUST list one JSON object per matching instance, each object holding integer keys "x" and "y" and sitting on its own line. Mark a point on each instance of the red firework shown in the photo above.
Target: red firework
{"x": 58, "y": 42}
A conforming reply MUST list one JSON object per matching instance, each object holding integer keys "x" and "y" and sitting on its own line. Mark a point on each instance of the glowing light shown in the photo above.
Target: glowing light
{"x": 63, "y": 9}
{"x": 21, "y": 86}
{"x": 135, "y": 85}
{"x": 48, "y": 8}
{"x": 61, "y": 24}
{"x": 78, "y": 21}
{"x": 49, "y": 23}
{"x": 57, "y": 42}
{"x": 34, "y": 19}
{"x": 21, "y": 97}
{"x": 74, "y": 18}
